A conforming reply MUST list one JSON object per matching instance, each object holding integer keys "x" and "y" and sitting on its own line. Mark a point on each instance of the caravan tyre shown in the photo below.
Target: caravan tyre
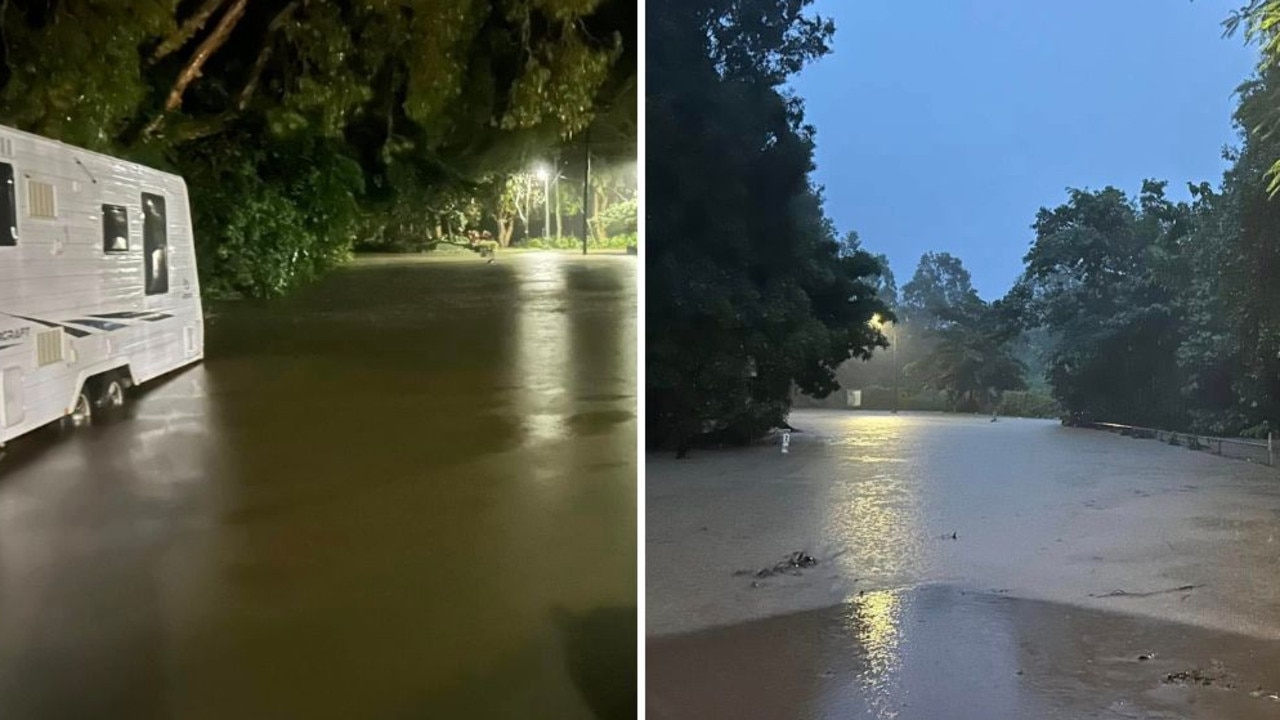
{"x": 83, "y": 409}
{"x": 112, "y": 395}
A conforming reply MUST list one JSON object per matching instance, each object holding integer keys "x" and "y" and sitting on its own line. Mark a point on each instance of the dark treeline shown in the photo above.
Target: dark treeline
{"x": 304, "y": 125}
{"x": 750, "y": 290}
{"x": 1165, "y": 313}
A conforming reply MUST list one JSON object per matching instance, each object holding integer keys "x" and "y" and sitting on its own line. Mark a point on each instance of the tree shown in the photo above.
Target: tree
{"x": 962, "y": 345}
{"x": 887, "y": 285}
{"x": 940, "y": 284}
{"x": 421, "y": 98}
{"x": 1099, "y": 278}
{"x": 1259, "y": 21}
{"x": 970, "y": 359}
{"x": 749, "y": 293}
{"x": 1232, "y": 352}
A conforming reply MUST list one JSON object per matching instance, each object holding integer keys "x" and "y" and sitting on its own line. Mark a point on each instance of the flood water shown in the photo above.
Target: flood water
{"x": 406, "y": 492}
{"x": 961, "y": 568}
{"x": 937, "y": 652}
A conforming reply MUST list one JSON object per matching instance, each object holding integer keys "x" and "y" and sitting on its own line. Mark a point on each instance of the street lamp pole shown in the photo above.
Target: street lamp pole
{"x": 895, "y": 368}
{"x": 586, "y": 188}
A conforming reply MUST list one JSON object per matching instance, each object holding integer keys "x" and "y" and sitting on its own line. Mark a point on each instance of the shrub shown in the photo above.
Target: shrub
{"x": 271, "y": 219}
{"x": 618, "y": 219}
{"x": 616, "y": 242}
{"x": 1028, "y": 404}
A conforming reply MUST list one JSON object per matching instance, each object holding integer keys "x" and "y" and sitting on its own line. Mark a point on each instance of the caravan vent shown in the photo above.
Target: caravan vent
{"x": 6, "y": 147}
{"x": 49, "y": 347}
{"x": 40, "y": 199}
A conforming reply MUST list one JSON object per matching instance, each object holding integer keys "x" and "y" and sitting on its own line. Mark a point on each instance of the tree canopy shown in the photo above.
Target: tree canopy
{"x": 1162, "y": 313}
{"x": 302, "y": 123}
{"x": 749, "y": 290}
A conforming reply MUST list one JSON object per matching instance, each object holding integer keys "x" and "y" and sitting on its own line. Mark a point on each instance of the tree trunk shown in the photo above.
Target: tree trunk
{"x": 559, "y": 215}
{"x": 528, "y": 207}
{"x": 599, "y": 205}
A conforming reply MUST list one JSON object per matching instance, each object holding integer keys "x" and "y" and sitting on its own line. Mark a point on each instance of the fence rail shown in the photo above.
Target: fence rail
{"x": 1256, "y": 451}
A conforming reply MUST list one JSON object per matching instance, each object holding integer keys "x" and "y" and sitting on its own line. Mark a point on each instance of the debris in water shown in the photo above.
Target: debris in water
{"x": 1216, "y": 676}
{"x": 1126, "y": 593}
{"x": 792, "y": 565}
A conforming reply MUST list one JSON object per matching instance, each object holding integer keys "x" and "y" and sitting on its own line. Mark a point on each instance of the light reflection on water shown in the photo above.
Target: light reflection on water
{"x": 874, "y": 513}
{"x": 875, "y": 518}
{"x": 542, "y": 328}
{"x": 876, "y": 620}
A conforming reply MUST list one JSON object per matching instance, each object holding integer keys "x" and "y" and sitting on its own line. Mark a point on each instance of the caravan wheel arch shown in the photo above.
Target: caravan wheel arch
{"x": 89, "y": 374}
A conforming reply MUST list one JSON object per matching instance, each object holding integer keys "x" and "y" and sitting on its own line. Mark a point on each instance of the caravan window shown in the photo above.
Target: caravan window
{"x": 155, "y": 244}
{"x": 115, "y": 229}
{"x": 8, "y": 206}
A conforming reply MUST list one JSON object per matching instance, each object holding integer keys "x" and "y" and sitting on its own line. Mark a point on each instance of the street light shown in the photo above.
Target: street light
{"x": 545, "y": 175}
{"x": 878, "y": 323}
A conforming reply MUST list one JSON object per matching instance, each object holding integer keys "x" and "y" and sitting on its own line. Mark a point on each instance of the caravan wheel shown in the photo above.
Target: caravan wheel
{"x": 112, "y": 395}
{"x": 83, "y": 410}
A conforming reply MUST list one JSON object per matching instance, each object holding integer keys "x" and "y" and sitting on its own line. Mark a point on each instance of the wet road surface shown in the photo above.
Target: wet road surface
{"x": 407, "y": 492}
{"x": 1135, "y": 535}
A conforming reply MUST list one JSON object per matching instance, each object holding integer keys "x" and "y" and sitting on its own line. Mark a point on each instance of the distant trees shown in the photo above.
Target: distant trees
{"x": 950, "y": 341}
{"x": 749, "y": 291}
{"x": 1164, "y": 313}
{"x": 940, "y": 287}
{"x": 300, "y": 124}
{"x": 1100, "y": 276}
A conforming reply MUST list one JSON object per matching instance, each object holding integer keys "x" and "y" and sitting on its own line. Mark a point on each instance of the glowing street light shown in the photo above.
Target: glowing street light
{"x": 879, "y": 324}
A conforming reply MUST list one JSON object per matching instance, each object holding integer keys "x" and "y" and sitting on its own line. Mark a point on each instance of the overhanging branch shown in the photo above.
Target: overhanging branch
{"x": 206, "y": 49}
{"x": 187, "y": 30}
{"x": 264, "y": 56}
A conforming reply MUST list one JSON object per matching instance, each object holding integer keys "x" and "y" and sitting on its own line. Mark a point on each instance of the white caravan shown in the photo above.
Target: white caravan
{"x": 98, "y": 286}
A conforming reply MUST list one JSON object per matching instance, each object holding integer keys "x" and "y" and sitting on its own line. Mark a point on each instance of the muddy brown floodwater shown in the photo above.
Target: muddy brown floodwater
{"x": 407, "y": 492}
{"x": 931, "y": 566}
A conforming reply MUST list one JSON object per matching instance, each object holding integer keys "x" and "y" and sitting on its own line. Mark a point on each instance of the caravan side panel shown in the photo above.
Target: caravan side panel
{"x": 97, "y": 272}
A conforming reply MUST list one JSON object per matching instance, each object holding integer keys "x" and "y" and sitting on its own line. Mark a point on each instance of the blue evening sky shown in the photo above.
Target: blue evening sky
{"x": 945, "y": 125}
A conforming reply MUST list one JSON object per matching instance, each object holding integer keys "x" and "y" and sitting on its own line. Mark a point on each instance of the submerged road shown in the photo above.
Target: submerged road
{"x": 964, "y": 569}
{"x": 407, "y": 492}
